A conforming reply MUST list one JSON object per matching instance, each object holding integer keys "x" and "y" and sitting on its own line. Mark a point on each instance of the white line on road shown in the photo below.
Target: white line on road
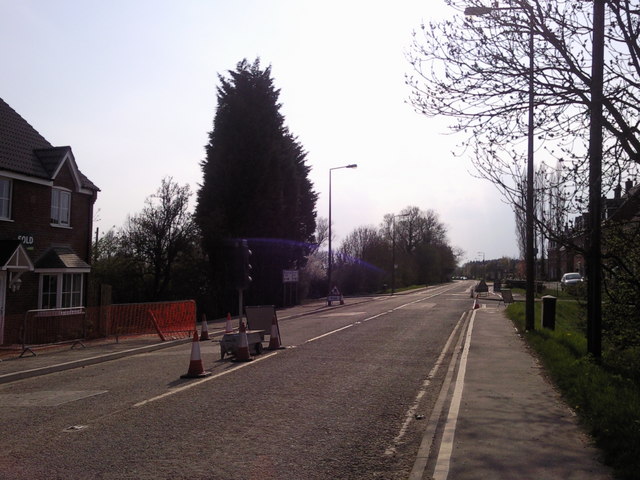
{"x": 200, "y": 382}
{"x": 424, "y": 451}
{"x": 329, "y": 333}
{"x": 446, "y": 445}
{"x": 391, "y": 450}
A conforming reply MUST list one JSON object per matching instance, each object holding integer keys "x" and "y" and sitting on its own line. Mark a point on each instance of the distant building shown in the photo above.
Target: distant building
{"x": 622, "y": 208}
{"x": 46, "y": 214}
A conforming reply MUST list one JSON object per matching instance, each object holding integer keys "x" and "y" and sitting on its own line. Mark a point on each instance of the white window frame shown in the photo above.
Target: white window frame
{"x": 60, "y": 207}
{"x": 69, "y": 288}
{"x": 5, "y": 198}
{"x": 50, "y": 291}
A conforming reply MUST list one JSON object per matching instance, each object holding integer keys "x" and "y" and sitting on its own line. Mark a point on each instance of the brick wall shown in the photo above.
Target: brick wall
{"x": 31, "y": 217}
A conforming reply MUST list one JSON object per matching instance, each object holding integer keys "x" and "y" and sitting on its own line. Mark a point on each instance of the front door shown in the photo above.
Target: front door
{"x": 3, "y": 294}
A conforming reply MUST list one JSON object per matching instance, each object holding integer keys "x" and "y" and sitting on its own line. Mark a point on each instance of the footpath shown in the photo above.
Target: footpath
{"x": 506, "y": 420}
{"x": 509, "y": 423}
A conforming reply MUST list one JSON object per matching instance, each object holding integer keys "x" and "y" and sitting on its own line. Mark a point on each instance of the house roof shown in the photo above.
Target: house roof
{"x": 630, "y": 207}
{"x": 23, "y": 150}
{"x": 58, "y": 258}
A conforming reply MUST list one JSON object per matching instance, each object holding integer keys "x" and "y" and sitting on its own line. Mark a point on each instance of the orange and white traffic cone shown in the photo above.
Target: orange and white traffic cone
{"x": 228, "y": 328}
{"x": 242, "y": 352}
{"x": 196, "y": 368}
{"x": 274, "y": 336}
{"x": 204, "y": 329}
{"x": 476, "y": 304}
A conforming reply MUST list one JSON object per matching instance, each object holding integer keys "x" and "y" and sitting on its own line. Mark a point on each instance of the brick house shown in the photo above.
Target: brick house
{"x": 622, "y": 208}
{"x": 46, "y": 214}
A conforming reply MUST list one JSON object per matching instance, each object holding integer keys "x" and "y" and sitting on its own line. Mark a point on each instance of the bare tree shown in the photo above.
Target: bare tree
{"x": 475, "y": 71}
{"x": 157, "y": 235}
{"x": 322, "y": 231}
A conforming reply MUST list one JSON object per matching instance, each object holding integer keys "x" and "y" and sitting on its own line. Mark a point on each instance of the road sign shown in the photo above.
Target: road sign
{"x": 290, "y": 276}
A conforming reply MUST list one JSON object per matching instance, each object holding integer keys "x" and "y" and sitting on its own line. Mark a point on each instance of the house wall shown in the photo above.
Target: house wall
{"x": 31, "y": 215}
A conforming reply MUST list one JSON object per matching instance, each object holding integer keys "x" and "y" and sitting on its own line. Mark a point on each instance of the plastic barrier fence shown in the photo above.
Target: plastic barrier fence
{"x": 169, "y": 320}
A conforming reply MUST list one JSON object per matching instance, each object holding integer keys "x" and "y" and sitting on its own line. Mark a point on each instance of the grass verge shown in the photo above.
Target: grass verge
{"x": 607, "y": 403}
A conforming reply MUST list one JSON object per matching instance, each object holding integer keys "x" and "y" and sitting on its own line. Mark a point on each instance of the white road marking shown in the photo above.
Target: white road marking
{"x": 328, "y": 333}
{"x": 206, "y": 379}
{"x": 446, "y": 445}
{"x": 391, "y": 450}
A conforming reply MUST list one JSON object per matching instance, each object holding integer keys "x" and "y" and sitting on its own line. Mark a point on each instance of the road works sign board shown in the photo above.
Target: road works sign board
{"x": 290, "y": 276}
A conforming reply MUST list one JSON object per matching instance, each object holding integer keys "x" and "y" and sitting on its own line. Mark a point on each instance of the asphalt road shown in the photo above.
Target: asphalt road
{"x": 346, "y": 399}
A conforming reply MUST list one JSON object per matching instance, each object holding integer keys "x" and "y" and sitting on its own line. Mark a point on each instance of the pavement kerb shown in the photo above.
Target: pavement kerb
{"x": 83, "y": 362}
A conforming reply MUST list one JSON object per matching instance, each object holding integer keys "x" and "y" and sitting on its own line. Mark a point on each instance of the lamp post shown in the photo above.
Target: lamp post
{"x": 482, "y": 270}
{"x": 529, "y": 248}
{"x": 393, "y": 252}
{"x": 330, "y": 262}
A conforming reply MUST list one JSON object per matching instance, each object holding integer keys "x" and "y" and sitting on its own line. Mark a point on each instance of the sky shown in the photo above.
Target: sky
{"x": 130, "y": 85}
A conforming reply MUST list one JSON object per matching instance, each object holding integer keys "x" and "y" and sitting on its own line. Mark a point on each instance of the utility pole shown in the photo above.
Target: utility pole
{"x": 594, "y": 268}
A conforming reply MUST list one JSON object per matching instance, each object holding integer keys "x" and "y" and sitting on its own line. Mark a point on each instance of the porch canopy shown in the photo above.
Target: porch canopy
{"x": 14, "y": 259}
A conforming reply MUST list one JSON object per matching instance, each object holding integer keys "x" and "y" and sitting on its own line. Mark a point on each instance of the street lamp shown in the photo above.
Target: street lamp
{"x": 393, "y": 251}
{"x": 482, "y": 271}
{"x": 330, "y": 263}
{"x": 529, "y": 249}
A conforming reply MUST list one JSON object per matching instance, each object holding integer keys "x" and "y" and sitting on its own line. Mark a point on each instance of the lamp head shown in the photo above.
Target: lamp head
{"x": 475, "y": 11}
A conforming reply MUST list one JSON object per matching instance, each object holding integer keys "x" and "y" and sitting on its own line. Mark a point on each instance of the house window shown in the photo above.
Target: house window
{"x": 5, "y": 198}
{"x": 61, "y": 290}
{"x": 60, "y": 207}
{"x": 71, "y": 290}
{"x": 49, "y": 291}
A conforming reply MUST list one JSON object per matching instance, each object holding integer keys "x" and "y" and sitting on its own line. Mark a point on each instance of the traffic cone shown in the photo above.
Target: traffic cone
{"x": 476, "y": 304}
{"x": 196, "y": 368}
{"x": 228, "y": 328}
{"x": 274, "y": 336}
{"x": 242, "y": 352}
{"x": 204, "y": 329}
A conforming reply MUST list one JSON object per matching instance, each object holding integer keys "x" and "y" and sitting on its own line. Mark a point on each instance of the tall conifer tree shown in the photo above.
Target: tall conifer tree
{"x": 255, "y": 186}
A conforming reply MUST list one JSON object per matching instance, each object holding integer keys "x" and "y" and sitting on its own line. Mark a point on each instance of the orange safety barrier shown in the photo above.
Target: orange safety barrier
{"x": 169, "y": 320}
{"x": 36, "y": 328}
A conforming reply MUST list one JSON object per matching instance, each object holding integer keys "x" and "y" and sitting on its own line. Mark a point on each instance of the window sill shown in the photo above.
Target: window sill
{"x": 67, "y": 227}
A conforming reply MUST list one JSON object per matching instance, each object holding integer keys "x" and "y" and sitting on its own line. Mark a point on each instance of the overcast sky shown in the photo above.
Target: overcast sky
{"x": 130, "y": 85}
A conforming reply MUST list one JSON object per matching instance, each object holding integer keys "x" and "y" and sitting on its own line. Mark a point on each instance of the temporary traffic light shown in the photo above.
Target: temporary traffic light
{"x": 239, "y": 266}
{"x": 246, "y": 265}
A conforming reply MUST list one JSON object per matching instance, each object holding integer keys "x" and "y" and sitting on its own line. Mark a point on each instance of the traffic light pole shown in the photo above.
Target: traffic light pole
{"x": 240, "y": 306}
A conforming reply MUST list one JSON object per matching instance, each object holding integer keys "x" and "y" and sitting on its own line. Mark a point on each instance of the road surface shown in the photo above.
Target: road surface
{"x": 349, "y": 398}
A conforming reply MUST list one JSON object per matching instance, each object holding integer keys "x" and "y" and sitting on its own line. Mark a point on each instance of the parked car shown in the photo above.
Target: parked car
{"x": 570, "y": 280}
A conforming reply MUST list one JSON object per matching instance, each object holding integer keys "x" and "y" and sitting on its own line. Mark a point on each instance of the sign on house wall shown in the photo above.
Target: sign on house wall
{"x": 27, "y": 240}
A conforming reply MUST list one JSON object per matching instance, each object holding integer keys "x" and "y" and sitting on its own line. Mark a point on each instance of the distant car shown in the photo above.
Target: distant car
{"x": 571, "y": 279}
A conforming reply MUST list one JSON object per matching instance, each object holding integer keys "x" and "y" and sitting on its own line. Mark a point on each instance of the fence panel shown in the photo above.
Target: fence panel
{"x": 168, "y": 320}
{"x": 165, "y": 319}
{"x": 52, "y": 326}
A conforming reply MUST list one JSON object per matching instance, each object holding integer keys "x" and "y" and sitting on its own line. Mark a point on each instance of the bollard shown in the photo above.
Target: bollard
{"x": 549, "y": 312}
